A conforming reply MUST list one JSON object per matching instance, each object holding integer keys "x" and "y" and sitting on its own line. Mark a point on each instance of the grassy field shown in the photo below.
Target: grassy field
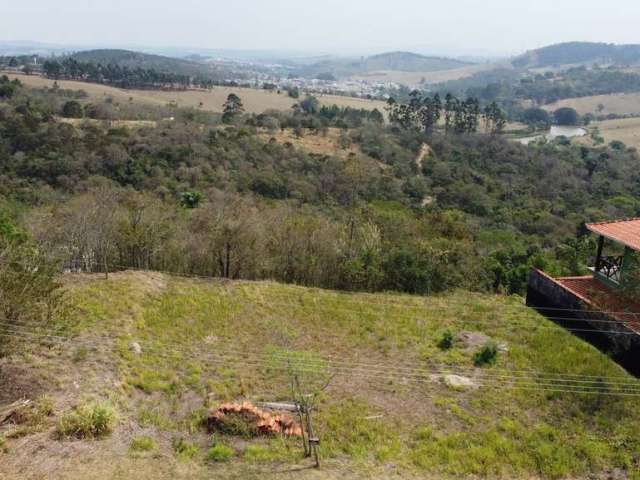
{"x": 619, "y": 104}
{"x": 255, "y": 101}
{"x": 317, "y": 143}
{"x": 626, "y": 130}
{"x": 203, "y": 342}
{"x": 416, "y": 78}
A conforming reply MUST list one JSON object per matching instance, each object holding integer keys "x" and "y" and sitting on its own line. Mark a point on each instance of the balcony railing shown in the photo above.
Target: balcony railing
{"x": 610, "y": 268}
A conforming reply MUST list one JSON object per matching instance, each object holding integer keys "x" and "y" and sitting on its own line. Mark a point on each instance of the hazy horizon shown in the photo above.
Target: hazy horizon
{"x": 457, "y": 27}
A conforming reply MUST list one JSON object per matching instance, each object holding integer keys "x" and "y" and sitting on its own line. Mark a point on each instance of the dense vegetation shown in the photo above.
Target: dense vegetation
{"x": 460, "y": 116}
{"x": 194, "y": 195}
{"x": 509, "y": 88}
{"x": 126, "y": 69}
{"x": 417, "y": 206}
{"x": 579, "y": 52}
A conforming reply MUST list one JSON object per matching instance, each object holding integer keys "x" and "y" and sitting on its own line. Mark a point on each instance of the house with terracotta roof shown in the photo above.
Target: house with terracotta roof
{"x": 596, "y": 306}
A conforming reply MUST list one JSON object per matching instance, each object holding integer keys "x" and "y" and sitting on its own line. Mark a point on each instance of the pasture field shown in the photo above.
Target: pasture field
{"x": 617, "y": 103}
{"x": 416, "y": 78}
{"x": 254, "y": 100}
{"x": 627, "y": 130}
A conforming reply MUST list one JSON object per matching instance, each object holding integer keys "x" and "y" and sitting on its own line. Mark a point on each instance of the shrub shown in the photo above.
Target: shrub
{"x": 185, "y": 450}
{"x": 566, "y": 116}
{"x": 238, "y": 426}
{"x": 487, "y": 355}
{"x": 72, "y": 109}
{"x": 3, "y": 445}
{"x": 617, "y": 145}
{"x": 190, "y": 199}
{"x": 87, "y": 421}
{"x": 446, "y": 342}
{"x": 143, "y": 444}
{"x": 220, "y": 453}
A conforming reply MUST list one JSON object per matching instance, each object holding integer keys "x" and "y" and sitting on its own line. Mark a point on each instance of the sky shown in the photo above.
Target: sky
{"x": 451, "y": 27}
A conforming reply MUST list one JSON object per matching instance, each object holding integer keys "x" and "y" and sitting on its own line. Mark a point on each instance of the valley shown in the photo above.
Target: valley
{"x": 216, "y": 264}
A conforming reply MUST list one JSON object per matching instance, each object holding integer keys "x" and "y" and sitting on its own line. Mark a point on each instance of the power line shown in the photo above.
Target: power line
{"x": 518, "y": 382}
{"x": 333, "y": 358}
{"x": 179, "y": 347}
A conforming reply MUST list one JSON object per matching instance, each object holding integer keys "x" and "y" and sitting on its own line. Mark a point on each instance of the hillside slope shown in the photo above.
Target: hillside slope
{"x": 409, "y": 62}
{"x": 131, "y": 59}
{"x": 384, "y": 62}
{"x": 159, "y": 349}
{"x": 579, "y": 52}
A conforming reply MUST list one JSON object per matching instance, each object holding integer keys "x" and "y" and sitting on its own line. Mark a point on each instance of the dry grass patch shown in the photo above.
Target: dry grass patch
{"x": 254, "y": 100}
{"x": 133, "y": 124}
{"x": 327, "y": 143}
{"x": 626, "y": 130}
{"x": 417, "y": 78}
{"x": 616, "y": 103}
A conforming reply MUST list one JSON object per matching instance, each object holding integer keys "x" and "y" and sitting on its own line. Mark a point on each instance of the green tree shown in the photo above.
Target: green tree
{"x": 232, "y": 108}
{"x": 536, "y": 117}
{"x": 566, "y": 116}
{"x": 72, "y": 109}
{"x": 310, "y": 105}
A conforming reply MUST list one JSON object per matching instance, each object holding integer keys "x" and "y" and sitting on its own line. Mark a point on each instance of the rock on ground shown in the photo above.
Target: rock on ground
{"x": 457, "y": 381}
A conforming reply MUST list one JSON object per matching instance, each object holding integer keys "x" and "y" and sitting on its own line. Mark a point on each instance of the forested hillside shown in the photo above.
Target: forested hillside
{"x": 131, "y": 59}
{"x": 197, "y": 195}
{"x": 579, "y": 52}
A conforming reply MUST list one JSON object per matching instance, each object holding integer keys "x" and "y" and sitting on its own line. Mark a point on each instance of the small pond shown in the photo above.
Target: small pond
{"x": 555, "y": 132}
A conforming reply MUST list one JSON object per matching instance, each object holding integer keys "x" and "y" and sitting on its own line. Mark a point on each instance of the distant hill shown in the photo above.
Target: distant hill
{"x": 409, "y": 62}
{"x": 577, "y": 53}
{"x": 391, "y": 61}
{"x": 127, "y": 58}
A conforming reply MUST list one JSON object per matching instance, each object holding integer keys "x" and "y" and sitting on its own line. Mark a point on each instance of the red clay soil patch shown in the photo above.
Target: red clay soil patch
{"x": 264, "y": 423}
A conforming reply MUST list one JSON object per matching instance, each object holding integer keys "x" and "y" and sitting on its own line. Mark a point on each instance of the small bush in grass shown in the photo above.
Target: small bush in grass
{"x": 446, "y": 341}
{"x": 185, "y": 450}
{"x": 487, "y": 355}
{"x": 143, "y": 444}
{"x": 87, "y": 421}
{"x": 220, "y": 453}
{"x": 3, "y": 445}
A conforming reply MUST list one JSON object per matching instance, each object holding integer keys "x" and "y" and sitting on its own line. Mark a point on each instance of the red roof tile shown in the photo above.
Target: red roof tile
{"x": 601, "y": 297}
{"x": 626, "y": 232}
